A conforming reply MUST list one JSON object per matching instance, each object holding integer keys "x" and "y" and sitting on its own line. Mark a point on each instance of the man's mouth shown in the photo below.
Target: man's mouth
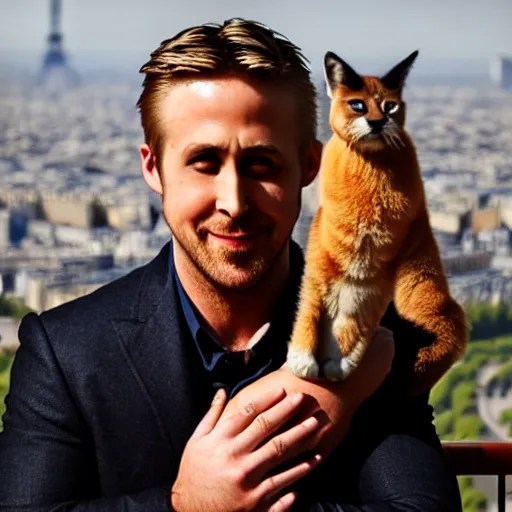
{"x": 235, "y": 235}
{"x": 235, "y": 239}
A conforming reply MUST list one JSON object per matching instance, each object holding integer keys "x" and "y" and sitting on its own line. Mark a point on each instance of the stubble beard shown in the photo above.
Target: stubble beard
{"x": 214, "y": 265}
{"x": 230, "y": 270}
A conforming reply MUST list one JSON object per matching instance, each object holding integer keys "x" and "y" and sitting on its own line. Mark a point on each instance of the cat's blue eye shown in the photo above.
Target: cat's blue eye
{"x": 358, "y": 106}
{"x": 390, "y": 107}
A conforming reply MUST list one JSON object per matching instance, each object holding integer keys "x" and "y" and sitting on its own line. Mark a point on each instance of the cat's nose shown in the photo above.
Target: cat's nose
{"x": 376, "y": 125}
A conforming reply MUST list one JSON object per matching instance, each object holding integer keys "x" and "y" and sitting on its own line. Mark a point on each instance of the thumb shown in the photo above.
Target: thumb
{"x": 210, "y": 419}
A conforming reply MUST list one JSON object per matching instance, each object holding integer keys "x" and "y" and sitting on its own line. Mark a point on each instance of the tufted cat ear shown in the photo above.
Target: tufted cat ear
{"x": 395, "y": 78}
{"x": 337, "y": 71}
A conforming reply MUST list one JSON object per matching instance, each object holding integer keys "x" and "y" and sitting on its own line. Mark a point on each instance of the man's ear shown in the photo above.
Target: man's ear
{"x": 150, "y": 172}
{"x": 312, "y": 161}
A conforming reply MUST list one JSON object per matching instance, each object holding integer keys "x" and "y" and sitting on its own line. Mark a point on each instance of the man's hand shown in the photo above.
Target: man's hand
{"x": 337, "y": 401}
{"x": 226, "y": 463}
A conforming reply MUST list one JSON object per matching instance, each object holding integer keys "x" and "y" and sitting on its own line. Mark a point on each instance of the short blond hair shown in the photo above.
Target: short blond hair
{"x": 237, "y": 46}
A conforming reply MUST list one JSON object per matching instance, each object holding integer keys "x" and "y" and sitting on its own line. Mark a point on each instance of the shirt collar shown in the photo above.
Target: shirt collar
{"x": 207, "y": 346}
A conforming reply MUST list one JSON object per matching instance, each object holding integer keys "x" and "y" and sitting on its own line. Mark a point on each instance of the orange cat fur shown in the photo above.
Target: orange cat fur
{"x": 371, "y": 241}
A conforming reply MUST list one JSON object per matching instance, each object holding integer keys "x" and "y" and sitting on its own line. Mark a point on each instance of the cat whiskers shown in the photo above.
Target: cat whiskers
{"x": 390, "y": 140}
{"x": 392, "y": 135}
{"x": 357, "y": 132}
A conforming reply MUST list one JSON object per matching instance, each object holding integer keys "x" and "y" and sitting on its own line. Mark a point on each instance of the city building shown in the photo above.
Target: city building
{"x": 501, "y": 71}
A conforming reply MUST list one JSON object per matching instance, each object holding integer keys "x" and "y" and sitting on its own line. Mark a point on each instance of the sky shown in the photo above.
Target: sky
{"x": 361, "y": 31}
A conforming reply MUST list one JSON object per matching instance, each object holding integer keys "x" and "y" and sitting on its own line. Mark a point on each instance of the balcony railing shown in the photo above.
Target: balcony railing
{"x": 482, "y": 458}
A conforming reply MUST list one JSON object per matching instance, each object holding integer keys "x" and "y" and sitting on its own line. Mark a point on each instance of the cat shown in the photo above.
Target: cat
{"x": 371, "y": 242}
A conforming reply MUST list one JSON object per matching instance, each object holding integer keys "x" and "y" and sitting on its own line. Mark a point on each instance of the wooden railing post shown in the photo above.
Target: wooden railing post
{"x": 482, "y": 458}
{"x": 502, "y": 493}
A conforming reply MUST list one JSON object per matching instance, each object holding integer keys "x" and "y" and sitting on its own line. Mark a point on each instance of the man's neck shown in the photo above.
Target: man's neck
{"x": 234, "y": 316}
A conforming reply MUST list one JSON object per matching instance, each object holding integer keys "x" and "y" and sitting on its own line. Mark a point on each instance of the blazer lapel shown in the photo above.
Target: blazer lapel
{"x": 153, "y": 340}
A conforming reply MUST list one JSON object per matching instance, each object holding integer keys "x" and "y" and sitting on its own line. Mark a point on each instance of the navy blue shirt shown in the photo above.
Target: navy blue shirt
{"x": 235, "y": 370}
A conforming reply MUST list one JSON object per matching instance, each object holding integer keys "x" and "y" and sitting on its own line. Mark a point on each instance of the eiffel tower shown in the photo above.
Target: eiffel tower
{"x": 55, "y": 59}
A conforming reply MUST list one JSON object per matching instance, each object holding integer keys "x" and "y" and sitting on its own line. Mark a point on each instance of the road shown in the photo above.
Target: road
{"x": 489, "y": 409}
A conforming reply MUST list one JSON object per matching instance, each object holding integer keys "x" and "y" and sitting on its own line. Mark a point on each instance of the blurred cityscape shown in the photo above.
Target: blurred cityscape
{"x": 75, "y": 212}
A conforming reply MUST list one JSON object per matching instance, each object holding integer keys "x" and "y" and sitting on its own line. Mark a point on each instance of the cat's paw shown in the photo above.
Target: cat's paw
{"x": 339, "y": 369}
{"x": 303, "y": 364}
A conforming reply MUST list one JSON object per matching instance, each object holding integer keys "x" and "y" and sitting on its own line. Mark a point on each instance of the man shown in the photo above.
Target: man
{"x": 109, "y": 407}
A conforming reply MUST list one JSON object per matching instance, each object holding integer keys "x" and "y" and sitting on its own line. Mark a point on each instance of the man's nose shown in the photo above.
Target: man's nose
{"x": 231, "y": 195}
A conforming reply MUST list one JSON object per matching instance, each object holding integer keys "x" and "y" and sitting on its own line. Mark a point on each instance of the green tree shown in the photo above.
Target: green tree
{"x": 472, "y": 500}
{"x": 5, "y": 370}
{"x": 468, "y": 427}
{"x": 444, "y": 424}
{"x": 506, "y": 419}
{"x": 502, "y": 379}
{"x": 13, "y": 307}
{"x": 489, "y": 320}
{"x": 463, "y": 398}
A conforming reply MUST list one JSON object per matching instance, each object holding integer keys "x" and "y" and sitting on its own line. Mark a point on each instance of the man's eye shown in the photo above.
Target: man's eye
{"x": 205, "y": 164}
{"x": 206, "y": 167}
{"x": 258, "y": 166}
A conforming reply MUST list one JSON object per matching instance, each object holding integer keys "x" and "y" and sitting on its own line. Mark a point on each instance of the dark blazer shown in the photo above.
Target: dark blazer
{"x": 103, "y": 400}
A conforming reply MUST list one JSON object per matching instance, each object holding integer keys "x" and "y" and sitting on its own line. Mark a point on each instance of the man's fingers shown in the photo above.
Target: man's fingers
{"x": 210, "y": 419}
{"x": 276, "y": 483}
{"x": 283, "y": 447}
{"x": 268, "y": 422}
{"x": 246, "y": 412}
{"x": 284, "y": 503}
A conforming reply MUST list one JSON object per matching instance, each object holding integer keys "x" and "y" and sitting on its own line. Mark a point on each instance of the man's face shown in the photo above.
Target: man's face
{"x": 231, "y": 175}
